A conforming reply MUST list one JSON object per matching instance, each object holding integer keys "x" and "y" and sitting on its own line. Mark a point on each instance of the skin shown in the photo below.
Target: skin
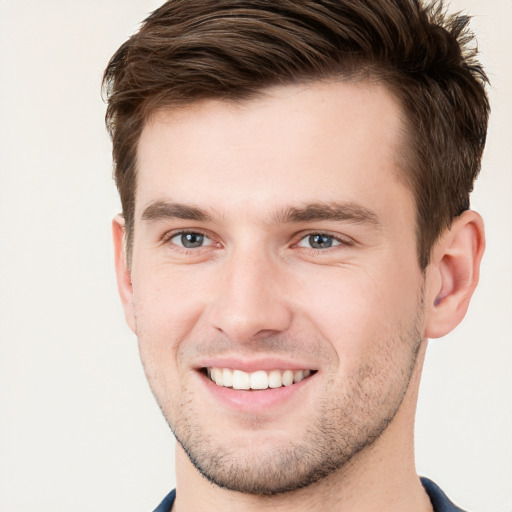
{"x": 251, "y": 178}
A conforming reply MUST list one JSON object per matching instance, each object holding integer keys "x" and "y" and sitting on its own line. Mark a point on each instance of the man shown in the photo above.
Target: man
{"x": 295, "y": 182}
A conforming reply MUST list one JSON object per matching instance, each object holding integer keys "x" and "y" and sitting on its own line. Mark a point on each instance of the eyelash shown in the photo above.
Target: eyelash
{"x": 341, "y": 241}
{"x": 166, "y": 239}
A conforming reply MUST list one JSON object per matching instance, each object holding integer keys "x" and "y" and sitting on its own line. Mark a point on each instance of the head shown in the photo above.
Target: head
{"x": 188, "y": 51}
{"x": 294, "y": 179}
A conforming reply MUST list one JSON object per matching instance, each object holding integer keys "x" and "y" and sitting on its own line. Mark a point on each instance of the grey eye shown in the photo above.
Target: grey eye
{"x": 318, "y": 241}
{"x": 190, "y": 240}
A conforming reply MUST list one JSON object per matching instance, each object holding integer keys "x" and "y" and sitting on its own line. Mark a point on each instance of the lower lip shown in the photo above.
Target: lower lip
{"x": 254, "y": 401}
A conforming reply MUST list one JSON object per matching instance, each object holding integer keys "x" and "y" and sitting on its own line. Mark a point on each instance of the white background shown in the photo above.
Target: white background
{"x": 79, "y": 429}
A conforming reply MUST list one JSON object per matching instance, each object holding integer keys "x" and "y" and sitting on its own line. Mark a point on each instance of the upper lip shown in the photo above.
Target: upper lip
{"x": 253, "y": 364}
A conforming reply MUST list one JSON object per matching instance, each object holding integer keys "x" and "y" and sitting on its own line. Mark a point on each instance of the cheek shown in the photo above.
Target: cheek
{"x": 360, "y": 313}
{"x": 168, "y": 306}
{"x": 168, "y": 298}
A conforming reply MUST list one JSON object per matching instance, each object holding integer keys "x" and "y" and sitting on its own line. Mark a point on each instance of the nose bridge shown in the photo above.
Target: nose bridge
{"x": 251, "y": 300}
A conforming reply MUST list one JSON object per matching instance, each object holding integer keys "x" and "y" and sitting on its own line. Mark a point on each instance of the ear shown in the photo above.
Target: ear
{"x": 124, "y": 280}
{"x": 453, "y": 274}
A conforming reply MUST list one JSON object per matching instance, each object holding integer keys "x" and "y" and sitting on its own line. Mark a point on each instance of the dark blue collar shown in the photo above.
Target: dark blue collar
{"x": 439, "y": 500}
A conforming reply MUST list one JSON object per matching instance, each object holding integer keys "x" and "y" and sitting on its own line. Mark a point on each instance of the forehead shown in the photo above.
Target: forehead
{"x": 326, "y": 140}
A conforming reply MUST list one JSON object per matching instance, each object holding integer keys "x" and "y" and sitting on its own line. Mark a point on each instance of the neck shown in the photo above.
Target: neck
{"x": 381, "y": 478}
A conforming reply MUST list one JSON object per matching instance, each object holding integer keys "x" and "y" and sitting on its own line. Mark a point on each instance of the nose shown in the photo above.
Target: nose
{"x": 251, "y": 302}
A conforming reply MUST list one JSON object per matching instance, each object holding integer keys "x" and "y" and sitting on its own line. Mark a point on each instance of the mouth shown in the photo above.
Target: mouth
{"x": 257, "y": 380}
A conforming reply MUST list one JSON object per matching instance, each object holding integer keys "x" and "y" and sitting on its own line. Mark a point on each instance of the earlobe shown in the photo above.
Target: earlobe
{"x": 453, "y": 274}
{"x": 124, "y": 282}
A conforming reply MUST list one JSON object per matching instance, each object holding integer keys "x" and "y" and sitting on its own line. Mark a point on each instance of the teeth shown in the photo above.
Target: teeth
{"x": 241, "y": 380}
{"x": 238, "y": 379}
{"x": 227, "y": 377}
{"x": 274, "y": 379}
{"x": 259, "y": 380}
{"x": 217, "y": 376}
{"x": 298, "y": 376}
{"x": 287, "y": 378}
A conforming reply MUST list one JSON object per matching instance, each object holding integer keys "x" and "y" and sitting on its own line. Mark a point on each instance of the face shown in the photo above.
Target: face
{"x": 275, "y": 289}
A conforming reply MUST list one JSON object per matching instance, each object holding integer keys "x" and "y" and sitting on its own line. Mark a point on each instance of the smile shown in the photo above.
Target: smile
{"x": 258, "y": 380}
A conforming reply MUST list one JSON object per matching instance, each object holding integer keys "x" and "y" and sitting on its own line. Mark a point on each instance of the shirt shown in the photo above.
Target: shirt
{"x": 439, "y": 500}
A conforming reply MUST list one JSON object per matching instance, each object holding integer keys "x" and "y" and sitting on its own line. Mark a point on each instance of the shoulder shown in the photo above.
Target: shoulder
{"x": 167, "y": 502}
{"x": 439, "y": 500}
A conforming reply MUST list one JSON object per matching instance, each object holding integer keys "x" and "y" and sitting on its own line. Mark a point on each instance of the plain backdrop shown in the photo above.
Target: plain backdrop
{"x": 79, "y": 429}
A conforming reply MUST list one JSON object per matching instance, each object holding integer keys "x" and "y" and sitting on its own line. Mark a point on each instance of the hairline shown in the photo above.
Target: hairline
{"x": 404, "y": 154}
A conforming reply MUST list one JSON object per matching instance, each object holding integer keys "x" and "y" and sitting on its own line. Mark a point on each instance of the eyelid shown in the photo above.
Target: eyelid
{"x": 343, "y": 240}
{"x": 169, "y": 235}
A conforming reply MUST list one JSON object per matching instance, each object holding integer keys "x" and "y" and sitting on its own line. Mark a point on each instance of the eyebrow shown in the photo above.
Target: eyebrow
{"x": 159, "y": 210}
{"x": 347, "y": 212}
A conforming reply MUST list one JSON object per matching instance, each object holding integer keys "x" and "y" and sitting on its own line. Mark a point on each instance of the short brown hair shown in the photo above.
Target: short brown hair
{"x": 188, "y": 50}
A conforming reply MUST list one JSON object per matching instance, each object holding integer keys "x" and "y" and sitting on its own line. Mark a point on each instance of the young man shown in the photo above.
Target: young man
{"x": 295, "y": 182}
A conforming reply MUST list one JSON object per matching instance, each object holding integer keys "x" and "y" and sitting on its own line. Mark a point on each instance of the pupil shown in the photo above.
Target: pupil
{"x": 191, "y": 240}
{"x": 320, "y": 241}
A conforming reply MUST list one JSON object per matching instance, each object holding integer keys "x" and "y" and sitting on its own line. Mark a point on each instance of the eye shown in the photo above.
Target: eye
{"x": 190, "y": 240}
{"x": 319, "y": 241}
